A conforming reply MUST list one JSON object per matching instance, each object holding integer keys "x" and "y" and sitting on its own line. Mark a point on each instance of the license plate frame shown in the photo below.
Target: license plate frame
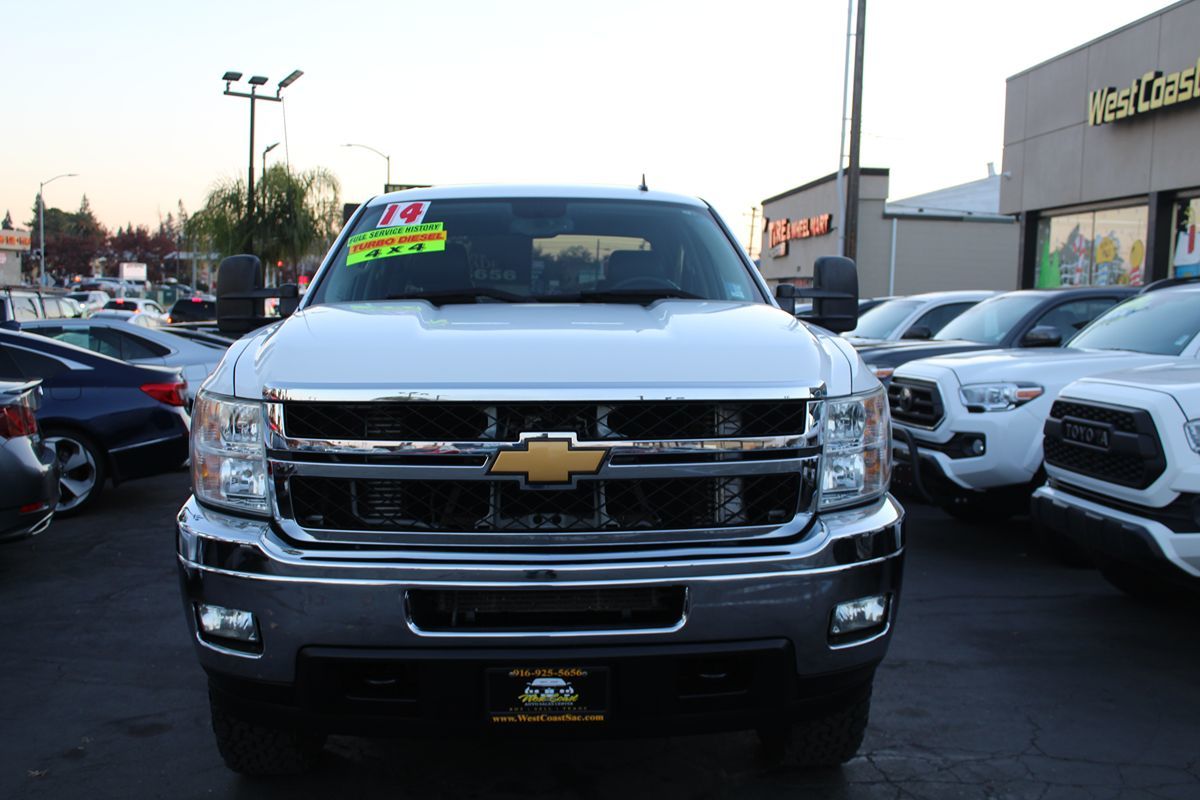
{"x": 532, "y": 695}
{"x": 1087, "y": 433}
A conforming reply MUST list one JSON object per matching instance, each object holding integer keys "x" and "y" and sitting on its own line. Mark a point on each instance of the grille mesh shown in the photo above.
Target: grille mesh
{"x": 504, "y": 422}
{"x": 321, "y": 503}
{"x": 915, "y": 402}
{"x": 1134, "y": 456}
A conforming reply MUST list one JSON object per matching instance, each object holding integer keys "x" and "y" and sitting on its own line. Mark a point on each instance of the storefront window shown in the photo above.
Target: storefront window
{"x": 1185, "y": 257}
{"x": 1094, "y": 248}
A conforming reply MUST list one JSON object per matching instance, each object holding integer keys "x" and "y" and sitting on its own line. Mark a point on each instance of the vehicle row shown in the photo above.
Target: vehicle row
{"x": 1101, "y": 427}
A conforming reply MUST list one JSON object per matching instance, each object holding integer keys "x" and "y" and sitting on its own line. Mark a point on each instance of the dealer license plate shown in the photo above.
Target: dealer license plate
{"x": 547, "y": 695}
{"x": 1089, "y": 434}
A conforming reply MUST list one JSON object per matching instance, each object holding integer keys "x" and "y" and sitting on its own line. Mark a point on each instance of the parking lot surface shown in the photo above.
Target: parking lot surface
{"x": 1009, "y": 677}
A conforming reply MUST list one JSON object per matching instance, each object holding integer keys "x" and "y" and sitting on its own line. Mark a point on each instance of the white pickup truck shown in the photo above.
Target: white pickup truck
{"x": 968, "y": 427}
{"x": 521, "y": 433}
{"x": 1123, "y": 458}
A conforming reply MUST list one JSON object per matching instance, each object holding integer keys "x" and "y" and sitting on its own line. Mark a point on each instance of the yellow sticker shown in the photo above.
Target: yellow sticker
{"x": 403, "y": 240}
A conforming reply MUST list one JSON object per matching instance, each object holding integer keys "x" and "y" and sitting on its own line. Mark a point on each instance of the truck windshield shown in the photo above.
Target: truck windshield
{"x": 539, "y": 249}
{"x": 880, "y": 321}
{"x": 1161, "y": 323}
{"x": 989, "y": 321}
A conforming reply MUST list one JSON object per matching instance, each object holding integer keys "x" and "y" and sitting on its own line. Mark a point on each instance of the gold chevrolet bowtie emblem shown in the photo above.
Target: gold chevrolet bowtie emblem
{"x": 543, "y": 460}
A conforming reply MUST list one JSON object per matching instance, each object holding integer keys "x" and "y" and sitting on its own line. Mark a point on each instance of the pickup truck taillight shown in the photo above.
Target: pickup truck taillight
{"x": 17, "y": 420}
{"x": 173, "y": 394}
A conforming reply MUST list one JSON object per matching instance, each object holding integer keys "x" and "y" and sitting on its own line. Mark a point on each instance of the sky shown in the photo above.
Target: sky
{"x": 734, "y": 102}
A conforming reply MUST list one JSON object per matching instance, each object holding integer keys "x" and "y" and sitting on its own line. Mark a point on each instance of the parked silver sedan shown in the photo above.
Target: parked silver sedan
{"x": 119, "y": 337}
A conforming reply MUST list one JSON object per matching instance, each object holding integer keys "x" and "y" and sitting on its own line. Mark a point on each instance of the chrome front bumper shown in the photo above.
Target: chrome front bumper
{"x": 324, "y": 598}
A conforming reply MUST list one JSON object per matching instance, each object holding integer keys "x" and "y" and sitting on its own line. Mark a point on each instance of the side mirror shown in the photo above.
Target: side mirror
{"x": 786, "y": 294}
{"x": 918, "y": 332}
{"x": 238, "y": 279}
{"x": 835, "y": 293}
{"x": 1042, "y": 336}
{"x": 289, "y": 299}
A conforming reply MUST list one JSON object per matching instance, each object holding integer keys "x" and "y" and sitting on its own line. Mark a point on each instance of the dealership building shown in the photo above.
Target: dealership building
{"x": 1102, "y": 156}
{"x": 952, "y": 238}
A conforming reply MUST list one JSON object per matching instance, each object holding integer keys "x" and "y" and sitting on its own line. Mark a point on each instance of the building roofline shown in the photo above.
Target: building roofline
{"x": 1100, "y": 38}
{"x": 879, "y": 172}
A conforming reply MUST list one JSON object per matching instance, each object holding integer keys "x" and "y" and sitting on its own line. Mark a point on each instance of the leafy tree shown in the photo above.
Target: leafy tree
{"x": 73, "y": 240}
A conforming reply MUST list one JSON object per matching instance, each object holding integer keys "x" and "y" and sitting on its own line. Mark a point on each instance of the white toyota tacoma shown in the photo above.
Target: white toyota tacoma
{"x": 968, "y": 427}
{"x": 1123, "y": 458}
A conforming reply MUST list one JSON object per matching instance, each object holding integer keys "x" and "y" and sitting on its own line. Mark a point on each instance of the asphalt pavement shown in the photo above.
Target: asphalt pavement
{"x": 1009, "y": 677}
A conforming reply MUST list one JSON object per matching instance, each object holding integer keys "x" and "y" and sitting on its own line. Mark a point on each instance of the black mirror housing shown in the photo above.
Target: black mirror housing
{"x": 1042, "y": 336}
{"x": 835, "y": 295}
{"x": 786, "y": 294}
{"x": 237, "y": 277}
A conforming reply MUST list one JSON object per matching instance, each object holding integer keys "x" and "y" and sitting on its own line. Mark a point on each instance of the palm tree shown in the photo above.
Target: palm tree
{"x": 295, "y": 214}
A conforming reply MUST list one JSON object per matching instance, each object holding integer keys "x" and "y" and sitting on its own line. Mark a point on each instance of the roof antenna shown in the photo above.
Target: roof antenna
{"x": 643, "y": 187}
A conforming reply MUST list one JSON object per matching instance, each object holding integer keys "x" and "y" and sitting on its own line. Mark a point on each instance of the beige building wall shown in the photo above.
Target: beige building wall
{"x": 934, "y": 255}
{"x": 1054, "y": 158}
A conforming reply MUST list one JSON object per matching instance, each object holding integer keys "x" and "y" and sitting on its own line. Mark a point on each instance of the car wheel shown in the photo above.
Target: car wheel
{"x": 256, "y": 749}
{"x": 81, "y": 470}
{"x": 827, "y": 739}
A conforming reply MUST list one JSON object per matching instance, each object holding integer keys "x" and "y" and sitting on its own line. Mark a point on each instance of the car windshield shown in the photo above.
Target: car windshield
{"x": 543, "y": 249}
{"x": 1161, "y": 323}
{"x": 989, "y": 321}
{"x": 880, "y": 321}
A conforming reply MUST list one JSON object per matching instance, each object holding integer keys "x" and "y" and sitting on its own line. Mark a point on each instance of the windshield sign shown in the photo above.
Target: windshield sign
{"x": 1161, "y": 323}
{"x": 535, "y": 250}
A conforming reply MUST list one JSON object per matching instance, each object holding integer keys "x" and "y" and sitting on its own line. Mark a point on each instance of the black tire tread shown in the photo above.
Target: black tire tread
{"x": 828, "y": 739}
{"x": 254, "y": 749}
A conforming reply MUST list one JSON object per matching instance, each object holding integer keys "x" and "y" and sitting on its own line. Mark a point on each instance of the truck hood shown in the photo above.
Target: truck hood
{"x": 1179, "y": 380}
{"x": 1051, "y": 368}
{"x": 411, "y": 349}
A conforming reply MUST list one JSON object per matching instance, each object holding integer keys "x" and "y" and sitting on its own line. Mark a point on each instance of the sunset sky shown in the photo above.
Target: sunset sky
{"x": 731, "y": 101}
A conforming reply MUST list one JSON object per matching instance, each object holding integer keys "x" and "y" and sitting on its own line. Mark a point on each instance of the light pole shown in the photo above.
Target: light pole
{"x": 232, "y": 77}
{"x": 385, "y": 156}
{"x": 42, "y": 222}
{"x": 267, "y": 150}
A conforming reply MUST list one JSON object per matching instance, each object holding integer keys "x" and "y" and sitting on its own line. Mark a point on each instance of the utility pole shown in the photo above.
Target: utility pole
{"x": 841, "y": 189}
{"x": 852, "y": 178}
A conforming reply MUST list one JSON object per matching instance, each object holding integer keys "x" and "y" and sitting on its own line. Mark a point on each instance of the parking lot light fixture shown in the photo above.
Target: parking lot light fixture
{"x": 256, "y": 81}
{"x": 42, "y": 224}
{"x": 385, "y": 157}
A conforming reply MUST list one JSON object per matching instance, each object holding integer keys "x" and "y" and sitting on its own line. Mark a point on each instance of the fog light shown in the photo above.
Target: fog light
{"x": 975, "y": 447}
{"x": 858, "y": 615}
{"x": 227, "y": 623}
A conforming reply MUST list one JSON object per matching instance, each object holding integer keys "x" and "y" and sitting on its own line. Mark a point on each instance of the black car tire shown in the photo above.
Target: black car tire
{"x": 89, "y": 460}
{"x": 258, "y": 750}
{"x": 827, "y": 739}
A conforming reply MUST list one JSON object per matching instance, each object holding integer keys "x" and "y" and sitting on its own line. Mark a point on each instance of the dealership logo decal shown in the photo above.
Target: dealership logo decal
{"x": 1151, "y": 92}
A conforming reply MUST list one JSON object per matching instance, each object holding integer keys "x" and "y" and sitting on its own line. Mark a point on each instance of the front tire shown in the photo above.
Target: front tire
{"x": 827, "y": 739}
{"x": 82, "y": 471}
{"x": 260, "y": 750}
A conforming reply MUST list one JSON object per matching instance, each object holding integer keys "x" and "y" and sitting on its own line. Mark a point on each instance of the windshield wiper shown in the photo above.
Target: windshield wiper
{"x": 441, "y": 297}
{"x": 640, "y": 296}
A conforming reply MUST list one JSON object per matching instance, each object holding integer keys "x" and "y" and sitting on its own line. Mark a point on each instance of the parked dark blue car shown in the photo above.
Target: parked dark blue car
{"x": 105, "y": 419}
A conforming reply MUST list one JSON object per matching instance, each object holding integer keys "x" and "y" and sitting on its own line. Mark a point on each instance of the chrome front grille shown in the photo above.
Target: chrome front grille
{"x": 713, "y": 471}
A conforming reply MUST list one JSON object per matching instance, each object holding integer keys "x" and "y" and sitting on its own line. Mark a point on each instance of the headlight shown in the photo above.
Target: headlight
{"x": 979, "y": 397}
{"x": 857, "y": 460}
{"x": 229, "y": 466}
{"x": 1192, "y": 429}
